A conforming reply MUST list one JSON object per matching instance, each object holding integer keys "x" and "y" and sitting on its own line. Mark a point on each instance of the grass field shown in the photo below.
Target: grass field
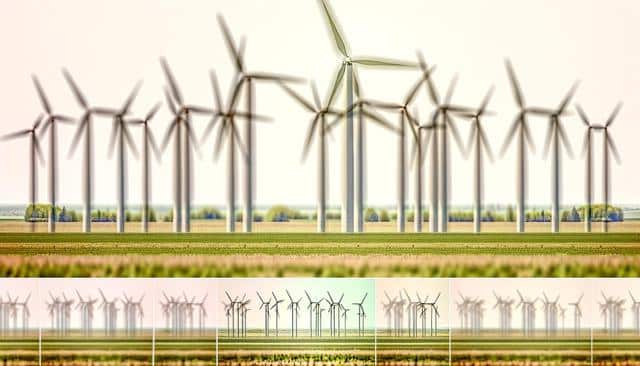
{"x": 374, "y": 254}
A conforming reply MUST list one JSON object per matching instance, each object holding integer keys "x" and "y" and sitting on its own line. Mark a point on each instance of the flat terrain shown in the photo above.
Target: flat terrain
{"x": 294, "y": 253}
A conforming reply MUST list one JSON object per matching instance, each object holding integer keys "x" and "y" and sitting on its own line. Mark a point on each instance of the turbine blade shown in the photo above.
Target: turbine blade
{"x": 132, "y": 96}
{"x": 309, "y": 136}
{"x": 154, "y": 145}
{"x": 209, "y": 128}
{"x": 565, "y": 140}
{"x": 216, "y": 90}
{"x": 267, "y": 76}
{"x": 567, "y": 98}
{"x": 356, "y": 82}
{"x": 485, "y": 101}
{"x": 527, "y": 135}
{"x": 613, "y": 115}
{"x": 452, "y": 86}
{"x": 316, "y": 96}
{"x": 613, "y": 148}
{"x": 515, "y": 85}
{"x": 129, "y": 140}
{"x": 378, "y": 119}
{"x": 152, "y": 112}
{"x": 336, "y": 85}
{"x": 167, "y": 135}
{"x": 222, "y": 132}
{"x": 340, "y": 43}
{"x": 78, "y": 134}
{"x": 547, "y": 140}
{"x": 376, "y": 61}
{"x": 583, "y": 116}
{"x": 228, "y": 39}
{"x": 171, "y": 80}
{"x": 16, "y": 134}
{"x": 74, "y": 88}
{"x": 43, "y": 97}
{"x": 172, "y": 106}
{"x": 298, "y": 97}
{"x": 485, "y": 143}
{"x": 456, "y": 134}
{"x": 509, "y": 137}
{"x": 112, "y": 140}
{"x": 413, "y": 91}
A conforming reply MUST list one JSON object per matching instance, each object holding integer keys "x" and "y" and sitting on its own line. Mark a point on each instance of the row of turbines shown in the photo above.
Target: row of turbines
{"x": 415, "y": 310}
{"x": 236, "y": 309}
{"x": 14, "y": 314}
{"x": 433, "y": 135}
{"x": 471, "y": 311}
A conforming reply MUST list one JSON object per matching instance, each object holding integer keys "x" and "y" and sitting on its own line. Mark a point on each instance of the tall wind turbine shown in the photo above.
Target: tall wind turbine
{"x": 120, "y": 136}
{"x": 405, "y": 119}
{"x": 227, "y": 115}
{"x": 85, "y": 125}
{"x": 444, "y": 112}
{"x": 557, "y": 136}
{"x": 588, "y": 154}
{"x": 35, "y": 154}
{"x": 317, "y": 127}
{"x": 182, "y": 150}
{"x": 148, "y": 141}
{"x": 478, "y": 141}
{"x": 51, "y": 125}
{"x": 246, "y": 79}
{"x": 346, "y": 66}
{"x": 521, "y": 129}
{"x": 609, "y": 146}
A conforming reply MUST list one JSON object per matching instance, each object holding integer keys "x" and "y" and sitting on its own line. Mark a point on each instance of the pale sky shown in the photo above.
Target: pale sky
{"x": 108, "y": 46}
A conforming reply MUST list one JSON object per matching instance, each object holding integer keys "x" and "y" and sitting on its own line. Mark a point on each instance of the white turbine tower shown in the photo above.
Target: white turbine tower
{"x": 352, "y": 86}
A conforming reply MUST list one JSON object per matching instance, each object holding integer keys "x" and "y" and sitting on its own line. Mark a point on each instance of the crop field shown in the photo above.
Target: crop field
{"x": 278, "y": 254}
{"x": 76, "y": 349}
{"x": 412, "y": 351}
{"x": 488, "y": 349}
{"x": 285, "y": 350}
{"x": 623, "y": 349}
{"x": 330, "y": 255}
{"x": 19, "y": 349}
{"x": 185, "y": 349}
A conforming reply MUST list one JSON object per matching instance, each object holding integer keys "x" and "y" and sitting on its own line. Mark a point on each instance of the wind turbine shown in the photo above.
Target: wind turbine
{"x": 361, "y": 314}
{"x": 85, "y": 125}
{"x": 478, "y": 141}
{"x": 577, "y": 315}
{"x": 444, "y": 111}
{"x": 609, "y": 147}
{"x": 587, "y": 152}
{"x": 35, "y": 154}
{"x": 557, "y": 136}
{"x": 405, "y": 119}
{"x": 276, "y": 306}
{"x": 228, "y": 129}
{"x": 521, "y": 129}
{"x": 51, "y": 120}
{"x": 347, "y": 66}
{"x": 148, "y": 141}
{"x": 294, "y": 306}
{"x": 120, "y": 136}
{"x": 267, "y": 312}
{"x": 317, "y": 127}
{"x": 246, "y": 79}
{"x": 182, "y": 150}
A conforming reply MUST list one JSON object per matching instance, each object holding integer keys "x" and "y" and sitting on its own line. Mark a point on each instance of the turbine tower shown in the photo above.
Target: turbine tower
{"x": 182, "y": 150}
{"x": 35, "y": 155}
{"x": 148, "y": 142}
{"x": 478, "y": 141}
{"x": 246, "y": 79}
{"x": 85, "y": 125}
{"x": 317, "y": 127}
{"x": 228, "y": 129}
{"x": 51, "y": 125}
{"x": 587, "y": 153}
{"x": 444, "y": 111}
{"x": 347, "y": 67}
{"x": 608, "y": 147}
{"x": 120, "y": 136}
{"x": 520, "y": 130}
{"x": 556, "y": 136}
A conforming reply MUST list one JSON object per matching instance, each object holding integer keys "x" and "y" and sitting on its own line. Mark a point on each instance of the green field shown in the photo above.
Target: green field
{"x": 319, "y": 255}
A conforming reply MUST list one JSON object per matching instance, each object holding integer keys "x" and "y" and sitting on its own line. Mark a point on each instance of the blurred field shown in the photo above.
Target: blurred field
{"x": 300, "y": 226}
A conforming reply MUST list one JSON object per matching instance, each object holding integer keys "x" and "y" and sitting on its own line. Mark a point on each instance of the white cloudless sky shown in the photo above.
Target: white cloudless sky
{"x": 108, "y": 46}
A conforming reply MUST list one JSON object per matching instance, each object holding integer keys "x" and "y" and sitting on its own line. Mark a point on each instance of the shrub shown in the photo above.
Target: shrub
{"x": 281, "y": 213}
{"x": 370, "y": 215}
{"x": 384, "y": 216}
